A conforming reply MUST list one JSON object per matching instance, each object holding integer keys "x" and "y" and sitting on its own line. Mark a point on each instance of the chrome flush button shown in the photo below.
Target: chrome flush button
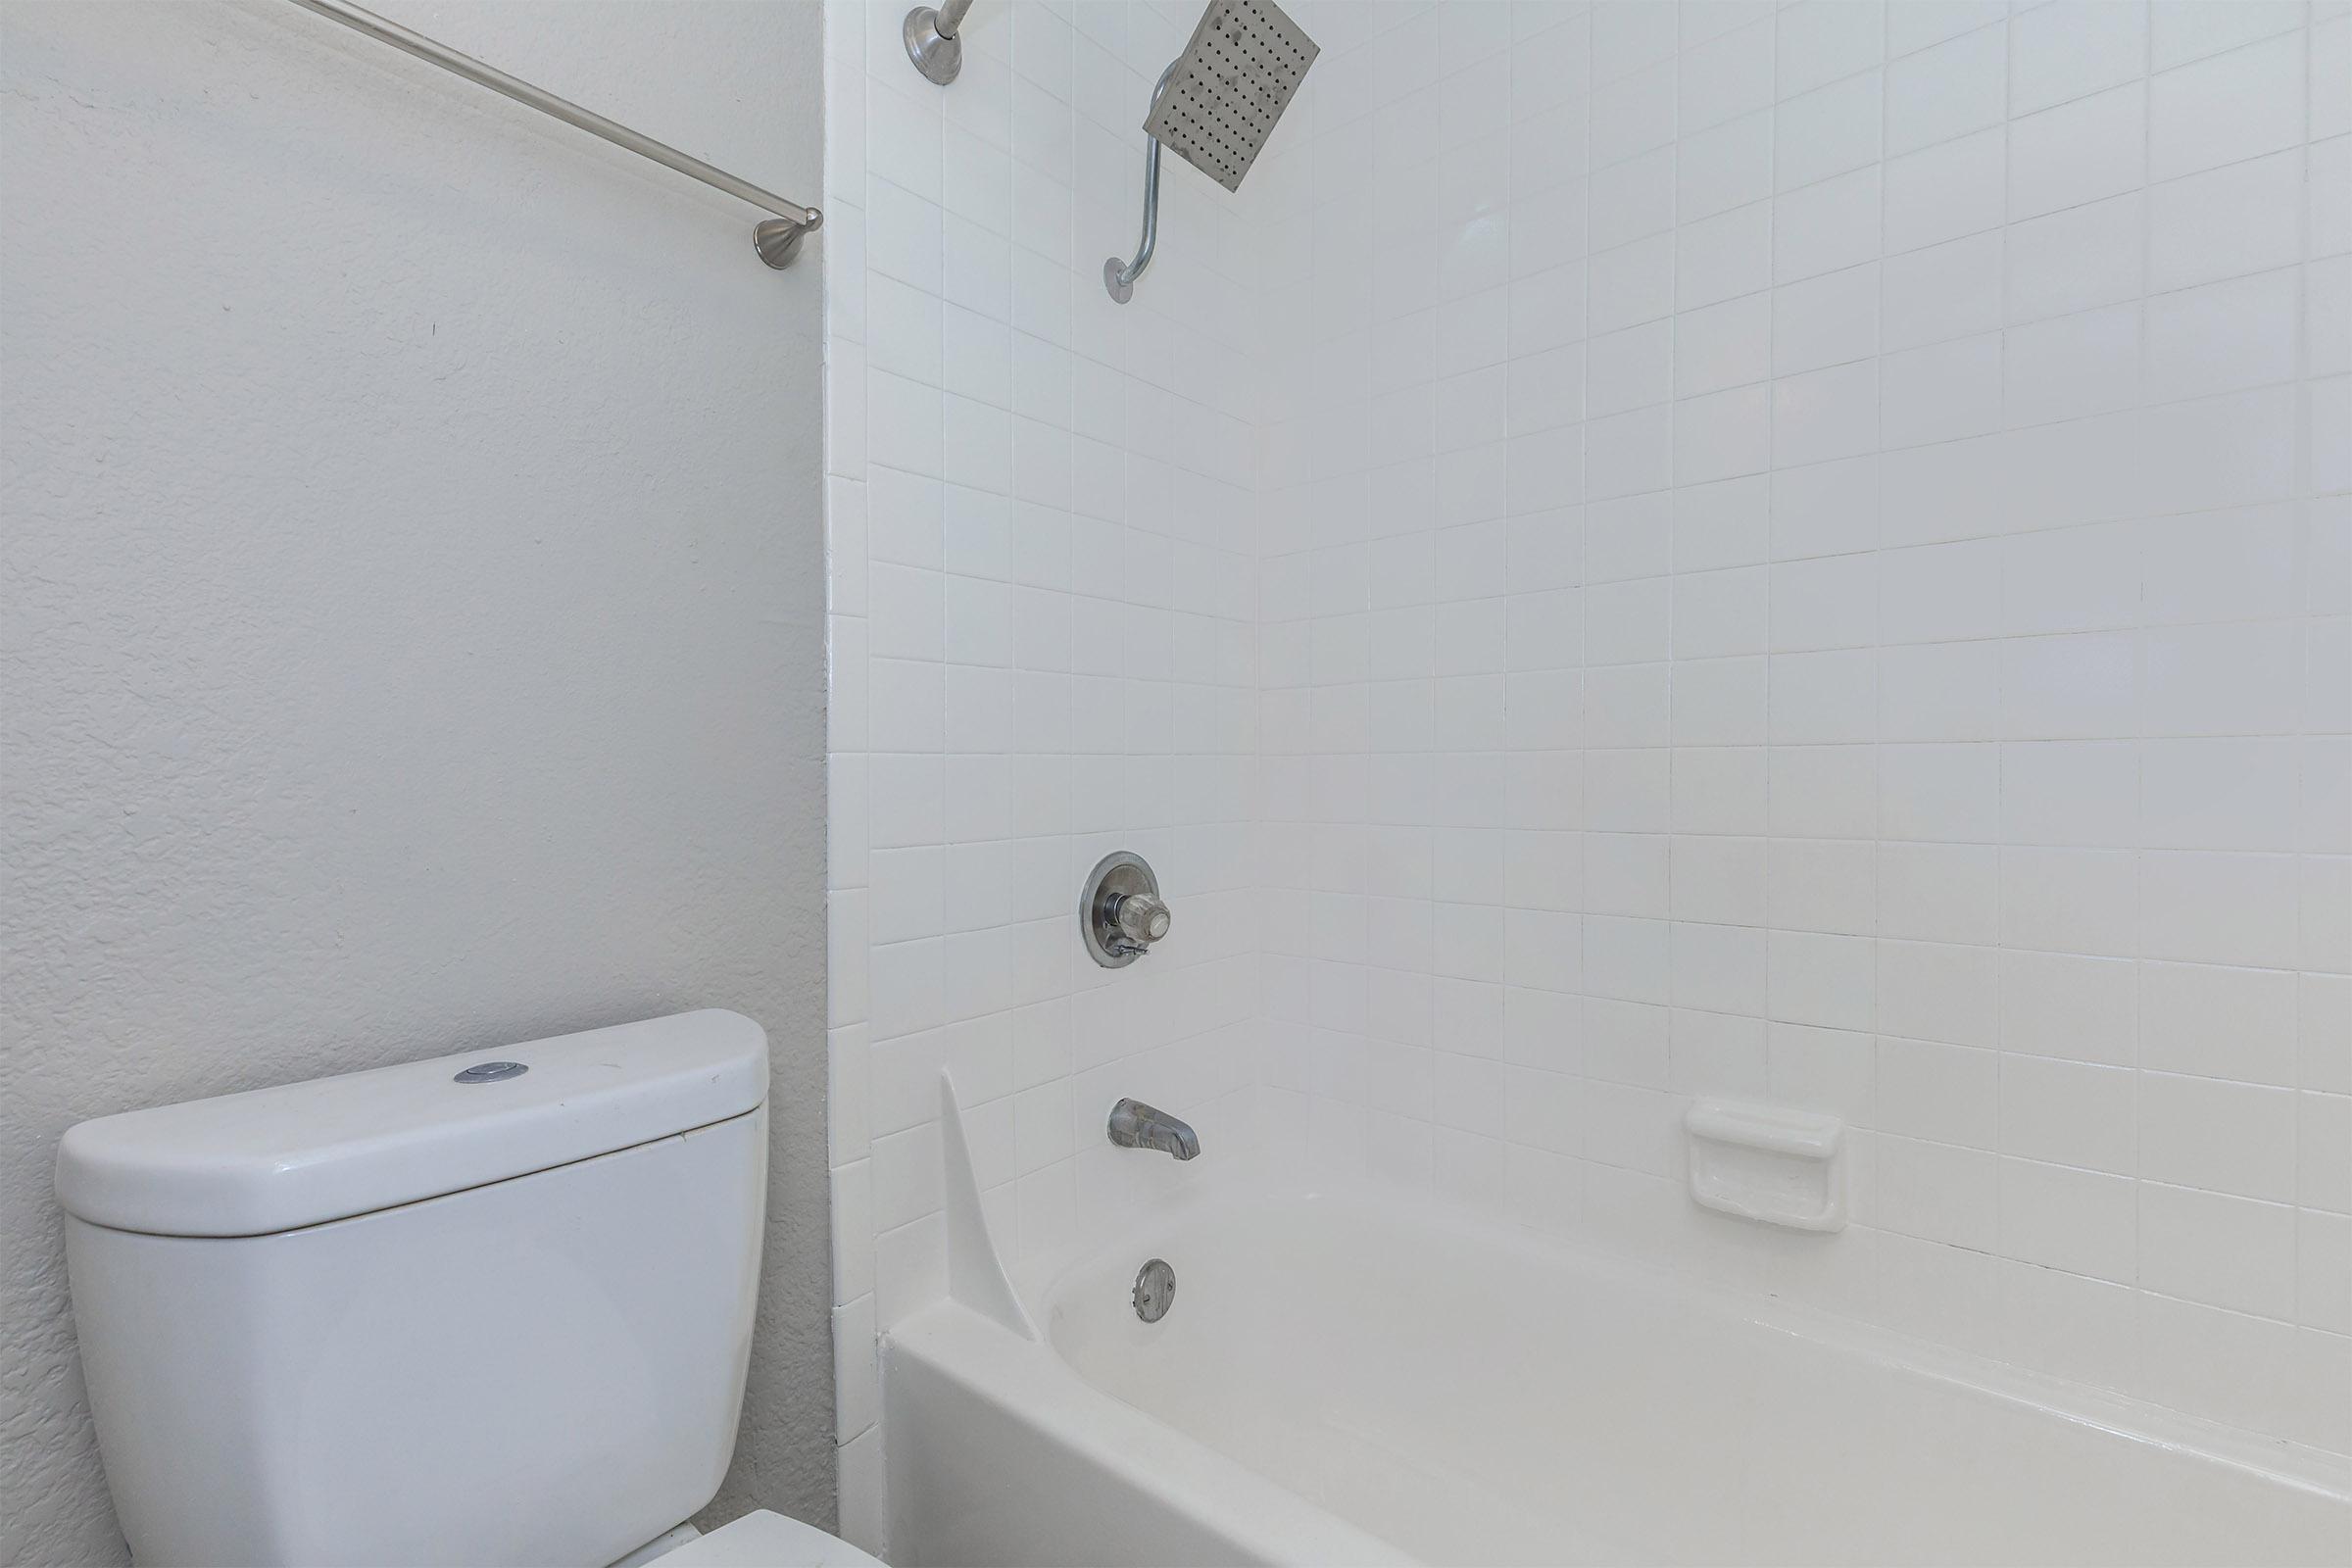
{"x": 490, "y": 1072}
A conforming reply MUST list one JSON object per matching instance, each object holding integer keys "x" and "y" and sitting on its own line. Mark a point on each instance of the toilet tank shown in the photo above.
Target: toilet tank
{"x": 405, "y": 1318}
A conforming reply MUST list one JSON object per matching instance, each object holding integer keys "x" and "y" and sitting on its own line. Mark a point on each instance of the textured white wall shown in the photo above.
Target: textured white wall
{"x": 412, "y": 600}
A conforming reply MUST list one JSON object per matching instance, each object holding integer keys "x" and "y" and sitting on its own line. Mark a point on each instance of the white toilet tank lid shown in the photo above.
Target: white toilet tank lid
{"x": 273, "y": 1160}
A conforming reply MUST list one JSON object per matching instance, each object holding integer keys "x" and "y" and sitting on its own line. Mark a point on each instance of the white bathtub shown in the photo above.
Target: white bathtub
{"x": 1347, "y": 1380}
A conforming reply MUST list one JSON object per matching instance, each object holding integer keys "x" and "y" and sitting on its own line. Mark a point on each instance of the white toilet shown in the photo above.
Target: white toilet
{"x": 494, "y": 1309}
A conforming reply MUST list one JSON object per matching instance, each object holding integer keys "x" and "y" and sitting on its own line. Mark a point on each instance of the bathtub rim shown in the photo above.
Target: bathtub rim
{"x": 1041, "y": 1283}
{"x": 1027, "y": 1381}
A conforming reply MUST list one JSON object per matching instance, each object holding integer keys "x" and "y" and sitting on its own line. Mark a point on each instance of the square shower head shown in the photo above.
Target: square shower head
{"x": 1232, "y": 83}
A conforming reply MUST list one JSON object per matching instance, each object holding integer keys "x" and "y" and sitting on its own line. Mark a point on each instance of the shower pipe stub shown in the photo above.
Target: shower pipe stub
{"x": 934, "y": 39}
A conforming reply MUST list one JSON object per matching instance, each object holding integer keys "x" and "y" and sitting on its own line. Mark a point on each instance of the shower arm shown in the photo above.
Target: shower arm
{"x": 1119, "y": 276}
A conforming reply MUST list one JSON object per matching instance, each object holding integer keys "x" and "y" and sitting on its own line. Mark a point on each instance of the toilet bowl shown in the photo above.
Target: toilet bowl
{"x": 485, "y": 1309}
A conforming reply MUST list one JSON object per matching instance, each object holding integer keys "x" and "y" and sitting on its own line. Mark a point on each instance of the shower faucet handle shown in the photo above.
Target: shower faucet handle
{"x": 1141, "y": 918}
{"x": 1121, "y": 914}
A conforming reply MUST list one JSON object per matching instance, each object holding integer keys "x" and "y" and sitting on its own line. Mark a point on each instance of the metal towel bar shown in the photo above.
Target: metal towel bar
{"x": 778, "y": 239}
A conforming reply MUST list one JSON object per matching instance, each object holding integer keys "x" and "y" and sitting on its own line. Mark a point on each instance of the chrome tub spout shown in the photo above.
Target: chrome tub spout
{"x": 1136, "y": 1125}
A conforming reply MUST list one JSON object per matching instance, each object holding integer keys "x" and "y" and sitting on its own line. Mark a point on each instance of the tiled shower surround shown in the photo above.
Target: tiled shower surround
{"x": 1044, "y": 555}
{"x": 1799, "y": 553}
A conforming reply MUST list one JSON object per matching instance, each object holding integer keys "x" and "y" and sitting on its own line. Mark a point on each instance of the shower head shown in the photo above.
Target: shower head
{"x": 1214, "y": 105}
{"x": 1229, "y": 87}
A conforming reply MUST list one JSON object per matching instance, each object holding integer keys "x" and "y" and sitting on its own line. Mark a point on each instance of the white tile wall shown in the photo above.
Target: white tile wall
{"x": 1808, "y": 562}
{"x": 1043, "y": 642}
{"x": 1800, "y": 552}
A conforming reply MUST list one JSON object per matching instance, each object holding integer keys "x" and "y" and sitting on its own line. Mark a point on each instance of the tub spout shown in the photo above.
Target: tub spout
{"x": 1136, "y": 1125}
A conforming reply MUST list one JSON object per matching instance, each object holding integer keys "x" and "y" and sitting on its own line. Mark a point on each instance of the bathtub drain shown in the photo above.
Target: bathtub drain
{"x": 1154, "y": 1289}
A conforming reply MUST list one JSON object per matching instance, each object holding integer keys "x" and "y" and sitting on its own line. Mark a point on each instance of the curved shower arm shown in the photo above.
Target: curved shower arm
{"x": 1119, "y": 276}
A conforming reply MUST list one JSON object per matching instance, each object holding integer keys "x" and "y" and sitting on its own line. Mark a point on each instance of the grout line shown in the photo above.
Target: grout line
{"x": 2302, "y": 549}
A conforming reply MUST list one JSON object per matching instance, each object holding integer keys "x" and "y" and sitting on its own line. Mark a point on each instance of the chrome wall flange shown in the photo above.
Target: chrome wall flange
{"x": 933, "y": 42}
{"x": 1121, "y": 914}
{"x": 779, "y": 239}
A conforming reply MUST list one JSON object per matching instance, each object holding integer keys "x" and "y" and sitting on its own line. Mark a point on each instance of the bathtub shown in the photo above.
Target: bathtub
{"x": 1350, "y": 1379}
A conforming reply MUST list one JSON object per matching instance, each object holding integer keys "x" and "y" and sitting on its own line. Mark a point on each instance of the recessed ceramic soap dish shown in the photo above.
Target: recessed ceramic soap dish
{"x": 1769, "y": 1164}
